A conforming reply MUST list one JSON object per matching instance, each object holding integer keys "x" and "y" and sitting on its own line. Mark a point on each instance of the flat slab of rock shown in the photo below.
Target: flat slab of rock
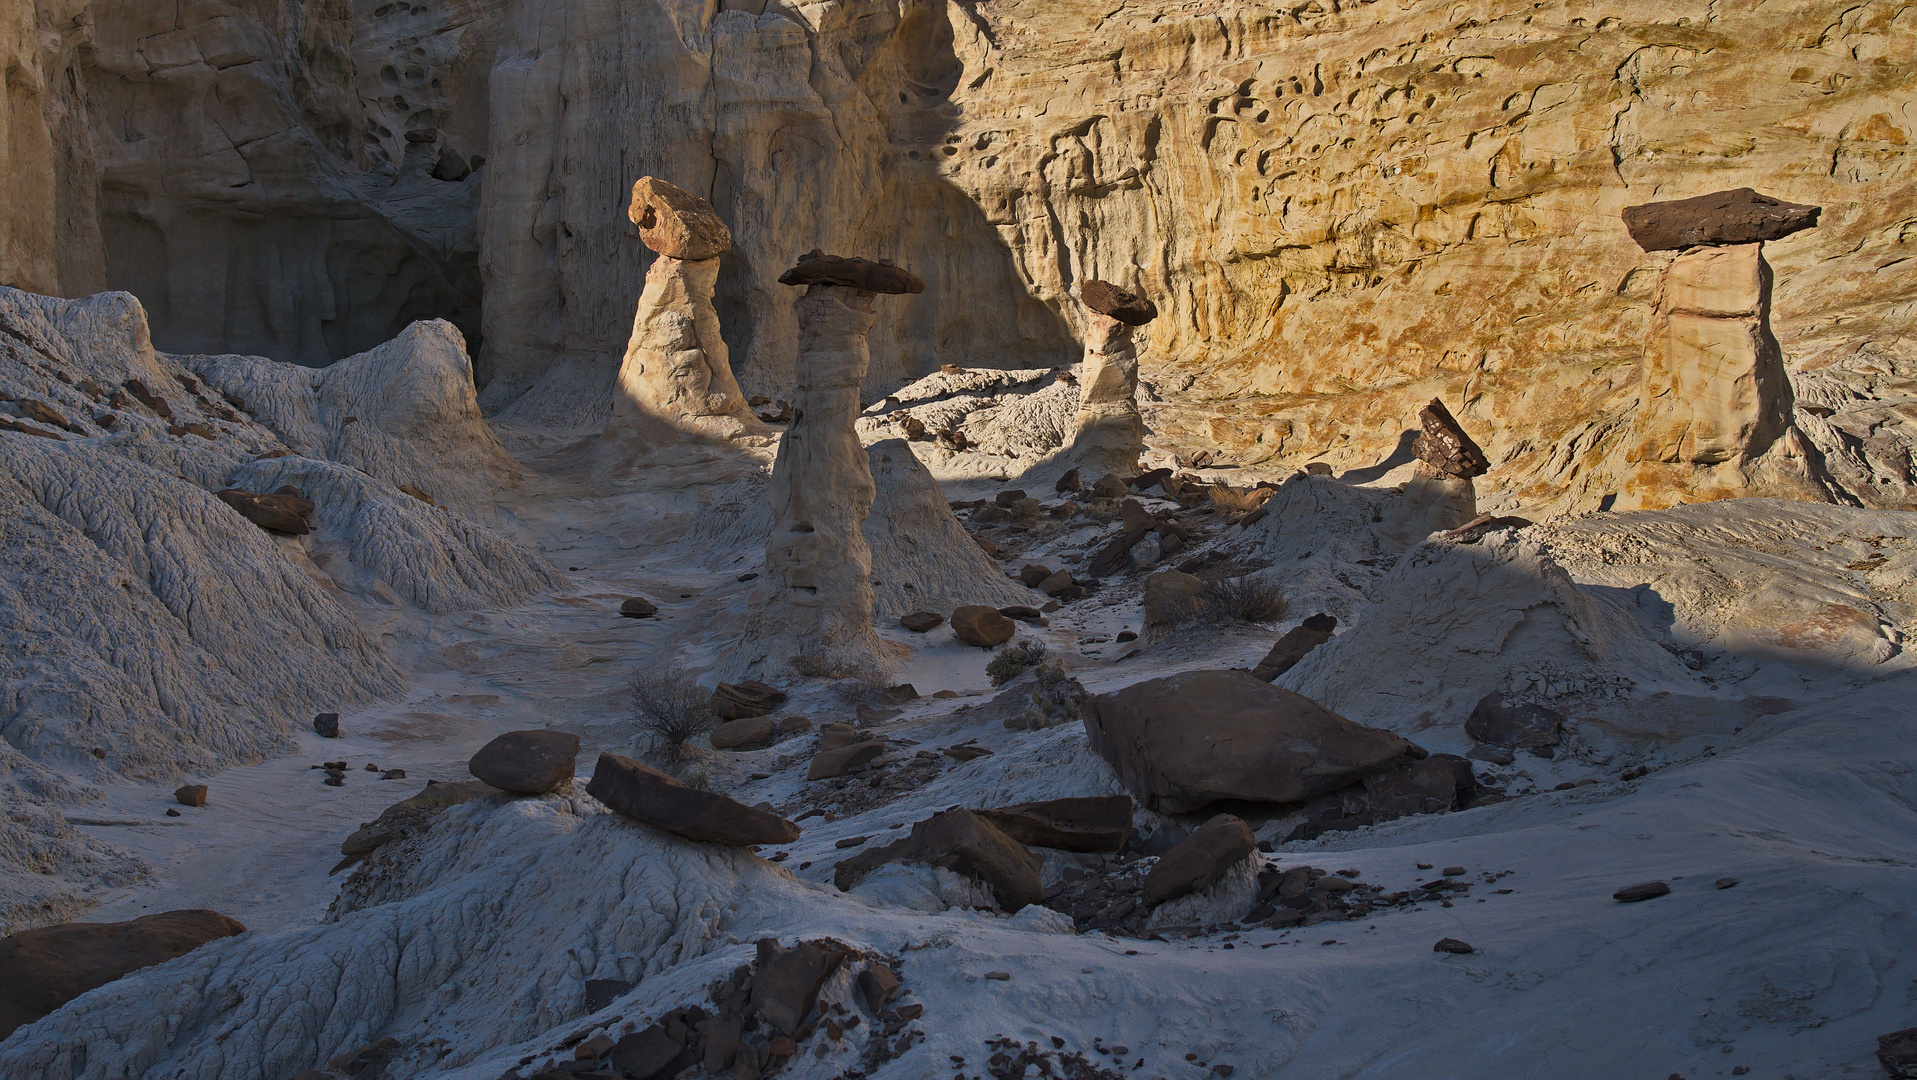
{"x": 737, "y": 701}
{"x": 1648, "y": 890}
{"x": 1108, "y": 299}
{"x": 43, "y": 969}
{"x": 1200, "y": 860}
{"x": 964, "y": 843}
{"x": 818, "y": 268}
{"x": 1294, "y": 645}
{"x": 1444, "y": 445}
{"x": 1097, "y": 823}
{"x": 1517, "y": 725}
{"x": 1184, "y": 742}
{"x": 526, "y": 762}
{"x": 289, "y": 514}
{"x": 648, "y": 795}
{"x": 1738, "y": 216}
{"x": 827, "y": 764}
{"x": 673, "y": 221}
{"x": 920, "y": 622}
{"x": 786, "y": 982}
{"x": 982, "y": 627}
{"x": 746, "y": 732}
{"x": 638, "y": 607}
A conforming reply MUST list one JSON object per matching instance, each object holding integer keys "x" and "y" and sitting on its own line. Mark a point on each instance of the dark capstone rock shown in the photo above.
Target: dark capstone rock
{"x": 1292, "y": 647}
{"x": 750, "y": 698}
{"x": 818, "y": 268}
{"x": 840, "y": 760}
{"x": 1068, "y": 482}
{"x": 1648, "y": 890}
{"x": 1452, "y": 945}
{"x": 327, "y": 725}
{"x": 786, "y": 982}
{"x": 1444, "y": 445}
{"x": 964, "y": 843}
{"x": 674, "y": 222}
{"x": 1184, "y": 742}
{"x": 43, "y": 969}
{"x": 288, "y": 514}
{"x": 648, "y": 795}
{"x": 1200, "y": 860}
{"x": 1738, "y": 216}
{"x": 526, "y": 762}
{"x": 1099, "y": 823}
{"x": 1108, "y": 299}
{"x": 191, "y": 795}
{"x": 638, "y": 607}
{"x": 982, "y": 627}
{"x": 1897, "y": 1052}
{"x": 920, "y": 622}
{"x": 1519, "y": 725}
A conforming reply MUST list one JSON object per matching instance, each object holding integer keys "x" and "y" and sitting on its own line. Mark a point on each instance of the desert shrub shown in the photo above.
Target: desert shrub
{"x": 696, "y": 778}
{"x": 670, "y": 711}
{"x": 1247, "y": 599}
{"x": 1012, "y": 660}
{"x": 1027, "y": 509}
{"x": 1238, "y": 500}
{"x": 814, "y": 666}
{"x": 1055, "y": 700}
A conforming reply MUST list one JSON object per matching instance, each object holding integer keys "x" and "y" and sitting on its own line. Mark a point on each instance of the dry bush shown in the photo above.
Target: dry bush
{"x": 1248, "y": 599}
{"x": 1013, "y": 660}
{"x": 1239, "y": 501}
{"x": 671, "y": 710}
{"x": 814, "y": 666}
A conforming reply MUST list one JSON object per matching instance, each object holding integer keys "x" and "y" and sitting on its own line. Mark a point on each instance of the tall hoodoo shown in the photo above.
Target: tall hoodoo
{"x": 1441, "y": 493}
{"x": 818, "y": 568}
{"x": 675, "y": 383}
{"x": 1110, "y": 432}
{"x": 1715, "y": 416}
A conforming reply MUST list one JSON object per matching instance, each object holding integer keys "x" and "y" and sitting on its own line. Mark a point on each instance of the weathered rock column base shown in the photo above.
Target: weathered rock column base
{"x": 676, "y": 384}
{"x": 1110, "y": 431}
{"x": 1433, "y": 502}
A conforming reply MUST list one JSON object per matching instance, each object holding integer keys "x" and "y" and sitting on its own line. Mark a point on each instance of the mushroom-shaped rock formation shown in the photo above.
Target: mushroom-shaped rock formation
{"x": 1440, "y": 494}
{"x": 1110, "y": 432}
{"x": 1714, "y": 420}
{"x": 676, "y": 383}
{"x": 817, "y": 588}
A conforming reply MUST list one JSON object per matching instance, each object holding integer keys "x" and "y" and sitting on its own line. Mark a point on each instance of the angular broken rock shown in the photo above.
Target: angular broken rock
{"x": 964, "y": 843}
{"x": 827, "y": 764}
{"x": 818, "y": 268}
{"x": 734, "y": 734}
{"x": 1058, "y": 583}
{"x": 982, "y": 627}
{"x": 1108, "y": 299}
{"x": 786, "y": 982}
{"x": 191, "y": 795}
{"x": 1184, "y": 742}
{"x": 326, "y": 724}
{"x": 645, "y": 794}
{"x": 738, "y": 701}
{"x": 1172, "y": 597}
{"x": 1200, "y": 860}
{"x": 1738, "y": 216}
{"x": 638, "y": 607}
{"x": 920, "y": 622}
{"x": 1033, "y": 573}
{"x": 1444, "y": 445}
{"x": 1648, "y": 890}
{"x": 1291, "y": 648}
{"x": 287, "y": 514}
{"x": 1110, "y": 486}
{"x": 673, "y": 221}
{"x": 646, "y": 1054}
{"x": 1068, "y": 482}
{"x": 1452, "y": 945}
{"x": 526, "y": 762}
{"x": 1096, "y": 823}
{"x": 1431, "y": 785}
{"x": 838, "y": 734}
{"x": 44, "y": 968}
{"x": 1516, "y": 725}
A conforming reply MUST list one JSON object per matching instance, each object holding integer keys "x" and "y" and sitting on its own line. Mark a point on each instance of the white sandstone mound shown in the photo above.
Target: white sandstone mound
{"x": 1858, "y": 406}
{"x": 922, "y": 558}
{"x": 978, "y": 421}
{"x": 405, "y": 412}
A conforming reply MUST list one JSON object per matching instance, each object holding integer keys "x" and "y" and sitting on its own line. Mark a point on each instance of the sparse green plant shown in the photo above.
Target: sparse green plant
{"x": 1012, "y": 660}
{"x": 696, "y": 778}
{"x": 1027, "y": 509}
{"x": 670, "y": 710}
{"x": 814, "y": 666}
{"x": 1249, "y": 599}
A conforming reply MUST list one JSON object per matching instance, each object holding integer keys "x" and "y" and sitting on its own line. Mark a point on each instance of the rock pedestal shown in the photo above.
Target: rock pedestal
{"x": 1440, "y": 494}
{"x": 675, "y": 383}
{"x": 1110, "y": 432}
{"x": 1715, "y": 417}
{"x": 818, "y": 569}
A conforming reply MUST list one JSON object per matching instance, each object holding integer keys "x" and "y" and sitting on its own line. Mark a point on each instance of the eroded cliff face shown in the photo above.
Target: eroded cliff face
{"x": 1342, "y": 208}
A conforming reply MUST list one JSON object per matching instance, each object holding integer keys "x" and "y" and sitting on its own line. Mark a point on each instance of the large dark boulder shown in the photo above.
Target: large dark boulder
{"x": 982, "y": 627}
{"x": 964, "y": 843}
{"x": 526, "y": 762}
{"x": 1200, "y": 860}
{"x": 648, "y": 795}
{"x": 1291, "y": 648}
{"x": 43, "y": 969}
{"x": 1099, "y": 823}
{"x": 1184, "y": 742}
{"x": 740, "y": 701}
{"x": 786, "y": 982}
{"x": 1739, "y": 216}
{"x": 1518, "y": 725}
{"x": 1108, "y": 299}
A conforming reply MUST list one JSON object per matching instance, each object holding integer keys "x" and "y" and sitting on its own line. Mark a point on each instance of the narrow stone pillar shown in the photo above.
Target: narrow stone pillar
{"x": 1110, "y": 432}
{"x": 1441, "y": 494}
{"x": 675, "y": 383}
{"x": 818, "y": 569}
